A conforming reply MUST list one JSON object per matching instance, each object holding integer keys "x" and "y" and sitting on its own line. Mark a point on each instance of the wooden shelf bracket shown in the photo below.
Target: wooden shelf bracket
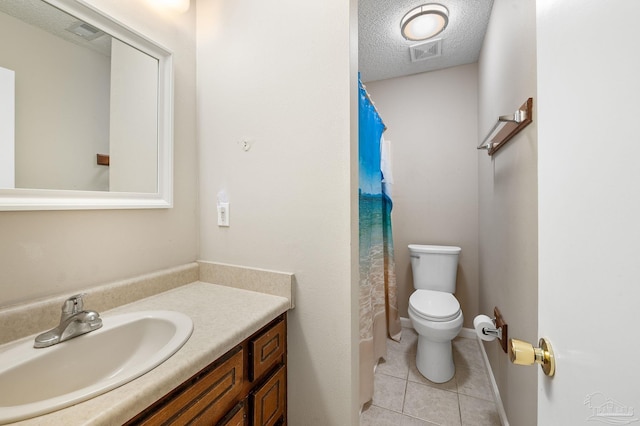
{"x": 102, "y": 159}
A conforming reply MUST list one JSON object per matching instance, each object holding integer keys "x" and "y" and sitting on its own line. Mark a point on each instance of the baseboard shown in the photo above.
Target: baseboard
{"x": 405, "y": 322}
{"x": 469, "y": 333}
{"x": 494, "y": 386}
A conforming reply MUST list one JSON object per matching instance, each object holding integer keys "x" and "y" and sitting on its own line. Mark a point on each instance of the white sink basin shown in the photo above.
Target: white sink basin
{"x": 37, "y": 381}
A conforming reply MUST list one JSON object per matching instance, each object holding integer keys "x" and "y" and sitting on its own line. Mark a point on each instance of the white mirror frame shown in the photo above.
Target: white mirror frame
{"x": 45, "y": 199}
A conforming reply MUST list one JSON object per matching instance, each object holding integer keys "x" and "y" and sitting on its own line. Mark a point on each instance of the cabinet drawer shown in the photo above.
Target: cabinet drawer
{"x": 268, "y": 401}
{"x": 236, "y": 417}
{"x": 221, "y": 393}
{"x": 208, "y": 396}
{"x": 267, "y": 350}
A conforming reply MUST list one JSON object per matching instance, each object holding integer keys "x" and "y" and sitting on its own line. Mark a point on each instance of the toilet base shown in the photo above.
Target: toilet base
{"x": 435, "y": 360}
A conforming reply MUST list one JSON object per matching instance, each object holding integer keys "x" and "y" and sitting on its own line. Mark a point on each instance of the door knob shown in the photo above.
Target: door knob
{"x": 523, "y": 353}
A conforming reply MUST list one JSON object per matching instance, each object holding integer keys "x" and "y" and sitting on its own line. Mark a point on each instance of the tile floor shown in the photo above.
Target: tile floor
{"x": 402, "y": 397}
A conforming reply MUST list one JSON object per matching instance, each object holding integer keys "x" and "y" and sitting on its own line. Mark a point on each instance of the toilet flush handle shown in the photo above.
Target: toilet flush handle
{"x": 523, "y": 353}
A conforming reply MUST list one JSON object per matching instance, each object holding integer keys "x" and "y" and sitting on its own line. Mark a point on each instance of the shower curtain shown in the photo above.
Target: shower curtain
{"x": 378, "y": 293}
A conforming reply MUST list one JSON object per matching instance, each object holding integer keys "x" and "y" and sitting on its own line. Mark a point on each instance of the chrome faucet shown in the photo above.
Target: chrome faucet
{"x": 74, "y": 321}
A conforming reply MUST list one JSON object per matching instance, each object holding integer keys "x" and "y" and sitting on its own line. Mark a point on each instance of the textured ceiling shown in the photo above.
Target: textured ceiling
{"x": 384, "y": 53}
{"x": 52, "y": 20}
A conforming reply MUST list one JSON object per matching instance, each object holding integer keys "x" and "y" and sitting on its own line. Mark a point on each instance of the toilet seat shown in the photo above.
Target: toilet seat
{"x": 434, "y": 306}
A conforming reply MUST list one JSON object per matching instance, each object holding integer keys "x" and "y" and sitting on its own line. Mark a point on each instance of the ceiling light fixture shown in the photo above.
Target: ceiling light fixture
{"x": 424, "y": 22}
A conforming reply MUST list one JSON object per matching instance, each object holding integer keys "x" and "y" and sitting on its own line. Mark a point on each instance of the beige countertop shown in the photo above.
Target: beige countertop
{"x": 222, "y": 318}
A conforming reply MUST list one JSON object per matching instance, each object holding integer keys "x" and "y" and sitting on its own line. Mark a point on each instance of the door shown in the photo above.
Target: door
{"x": 589, "y": 209}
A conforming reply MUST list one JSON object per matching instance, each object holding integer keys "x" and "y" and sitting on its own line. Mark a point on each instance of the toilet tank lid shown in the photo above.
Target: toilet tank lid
{"x": 418, "y": 248}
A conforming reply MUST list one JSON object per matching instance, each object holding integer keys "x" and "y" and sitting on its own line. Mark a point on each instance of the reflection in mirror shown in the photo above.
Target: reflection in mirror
{"x": 85, "y": 110}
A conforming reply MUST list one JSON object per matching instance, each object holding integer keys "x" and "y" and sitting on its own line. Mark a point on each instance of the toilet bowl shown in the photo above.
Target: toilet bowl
{"x": 437, "y": 318}
{"x": 433, "y": 309}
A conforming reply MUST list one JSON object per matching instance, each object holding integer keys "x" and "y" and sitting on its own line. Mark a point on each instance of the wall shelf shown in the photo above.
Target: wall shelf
{"x": 507, "y": 127}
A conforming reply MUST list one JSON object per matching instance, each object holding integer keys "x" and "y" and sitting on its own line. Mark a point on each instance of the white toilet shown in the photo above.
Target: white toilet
{"x": 433, "y": 309}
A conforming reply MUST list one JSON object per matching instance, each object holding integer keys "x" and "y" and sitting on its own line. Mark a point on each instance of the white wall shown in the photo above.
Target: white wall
{"x": 7, "y": 127}
{"x": 507, "y": 185}
{"x": 431, "y": 123}
{"x": 56, "y": 147}
{"x": 289, "y": 86}
{"x": 57, "y": 252}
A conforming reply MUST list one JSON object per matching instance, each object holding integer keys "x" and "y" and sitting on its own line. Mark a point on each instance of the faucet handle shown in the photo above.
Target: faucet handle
{"x": 73, "y": 304}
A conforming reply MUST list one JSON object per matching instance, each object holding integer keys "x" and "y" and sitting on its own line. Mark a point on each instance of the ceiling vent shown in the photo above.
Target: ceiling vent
{"x": 427, "y": 50}
{"x": 84, "y": 30}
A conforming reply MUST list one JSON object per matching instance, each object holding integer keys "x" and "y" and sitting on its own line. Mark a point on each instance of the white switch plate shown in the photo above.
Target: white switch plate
{"x": 223, "y": 214}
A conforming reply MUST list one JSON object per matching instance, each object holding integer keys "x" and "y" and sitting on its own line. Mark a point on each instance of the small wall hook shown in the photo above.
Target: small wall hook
{"x": 245, "y": 144}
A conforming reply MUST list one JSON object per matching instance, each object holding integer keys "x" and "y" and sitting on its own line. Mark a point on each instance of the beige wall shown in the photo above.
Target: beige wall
{"x": 431, "y": 123}
{"x": 508, "y": 199}
{"x": 288, "y": 86}
{"x": 133, "y": 130}
{"x": 56, "y": 147}
{"x": 57, "y": 252}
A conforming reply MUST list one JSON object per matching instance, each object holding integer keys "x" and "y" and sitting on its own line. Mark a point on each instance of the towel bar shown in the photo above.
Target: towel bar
{"x": 507, "y": 127}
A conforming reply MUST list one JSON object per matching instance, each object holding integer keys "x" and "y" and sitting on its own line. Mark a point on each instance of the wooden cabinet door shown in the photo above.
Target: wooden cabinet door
{"x": 269, "y": 400}
{"x": 221, "y": 395}
{"x": 203, "y": 400}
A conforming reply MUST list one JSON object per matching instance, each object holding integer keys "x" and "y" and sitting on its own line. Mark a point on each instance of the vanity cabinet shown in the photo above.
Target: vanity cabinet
{"x": 247, "y": 386}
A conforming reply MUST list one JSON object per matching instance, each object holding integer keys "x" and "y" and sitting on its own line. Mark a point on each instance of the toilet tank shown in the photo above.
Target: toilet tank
{"x": 434, "y": 267}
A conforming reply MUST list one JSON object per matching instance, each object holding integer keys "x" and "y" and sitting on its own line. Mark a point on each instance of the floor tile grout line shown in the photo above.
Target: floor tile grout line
{"x": 424, "y": 384}
{"x": 406, "y": 383}
{"x": 459, "y": 409}
{"x": 404, "y": 395}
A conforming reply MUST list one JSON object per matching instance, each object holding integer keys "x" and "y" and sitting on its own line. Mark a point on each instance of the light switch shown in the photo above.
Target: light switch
{"x": 223, "y": 214}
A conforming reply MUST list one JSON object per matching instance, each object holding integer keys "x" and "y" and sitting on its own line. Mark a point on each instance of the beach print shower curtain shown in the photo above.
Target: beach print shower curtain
{"x": 378, "y": 295}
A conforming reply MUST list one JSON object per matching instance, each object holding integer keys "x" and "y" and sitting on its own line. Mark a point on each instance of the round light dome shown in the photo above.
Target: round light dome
{"x": 424, "y": 22}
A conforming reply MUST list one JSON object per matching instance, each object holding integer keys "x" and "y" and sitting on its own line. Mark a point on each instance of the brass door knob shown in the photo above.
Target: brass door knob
{"x": 523, "y": 353}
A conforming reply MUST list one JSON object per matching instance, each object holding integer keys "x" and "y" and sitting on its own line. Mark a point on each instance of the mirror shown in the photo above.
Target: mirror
{"x": 85, "y": 110}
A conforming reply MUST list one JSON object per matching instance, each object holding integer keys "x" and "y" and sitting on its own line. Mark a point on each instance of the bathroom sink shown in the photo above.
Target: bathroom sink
{"x": 38, "y": 381}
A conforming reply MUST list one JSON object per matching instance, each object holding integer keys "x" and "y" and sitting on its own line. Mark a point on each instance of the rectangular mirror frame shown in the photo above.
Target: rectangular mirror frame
{"x": 43, "y": 199}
